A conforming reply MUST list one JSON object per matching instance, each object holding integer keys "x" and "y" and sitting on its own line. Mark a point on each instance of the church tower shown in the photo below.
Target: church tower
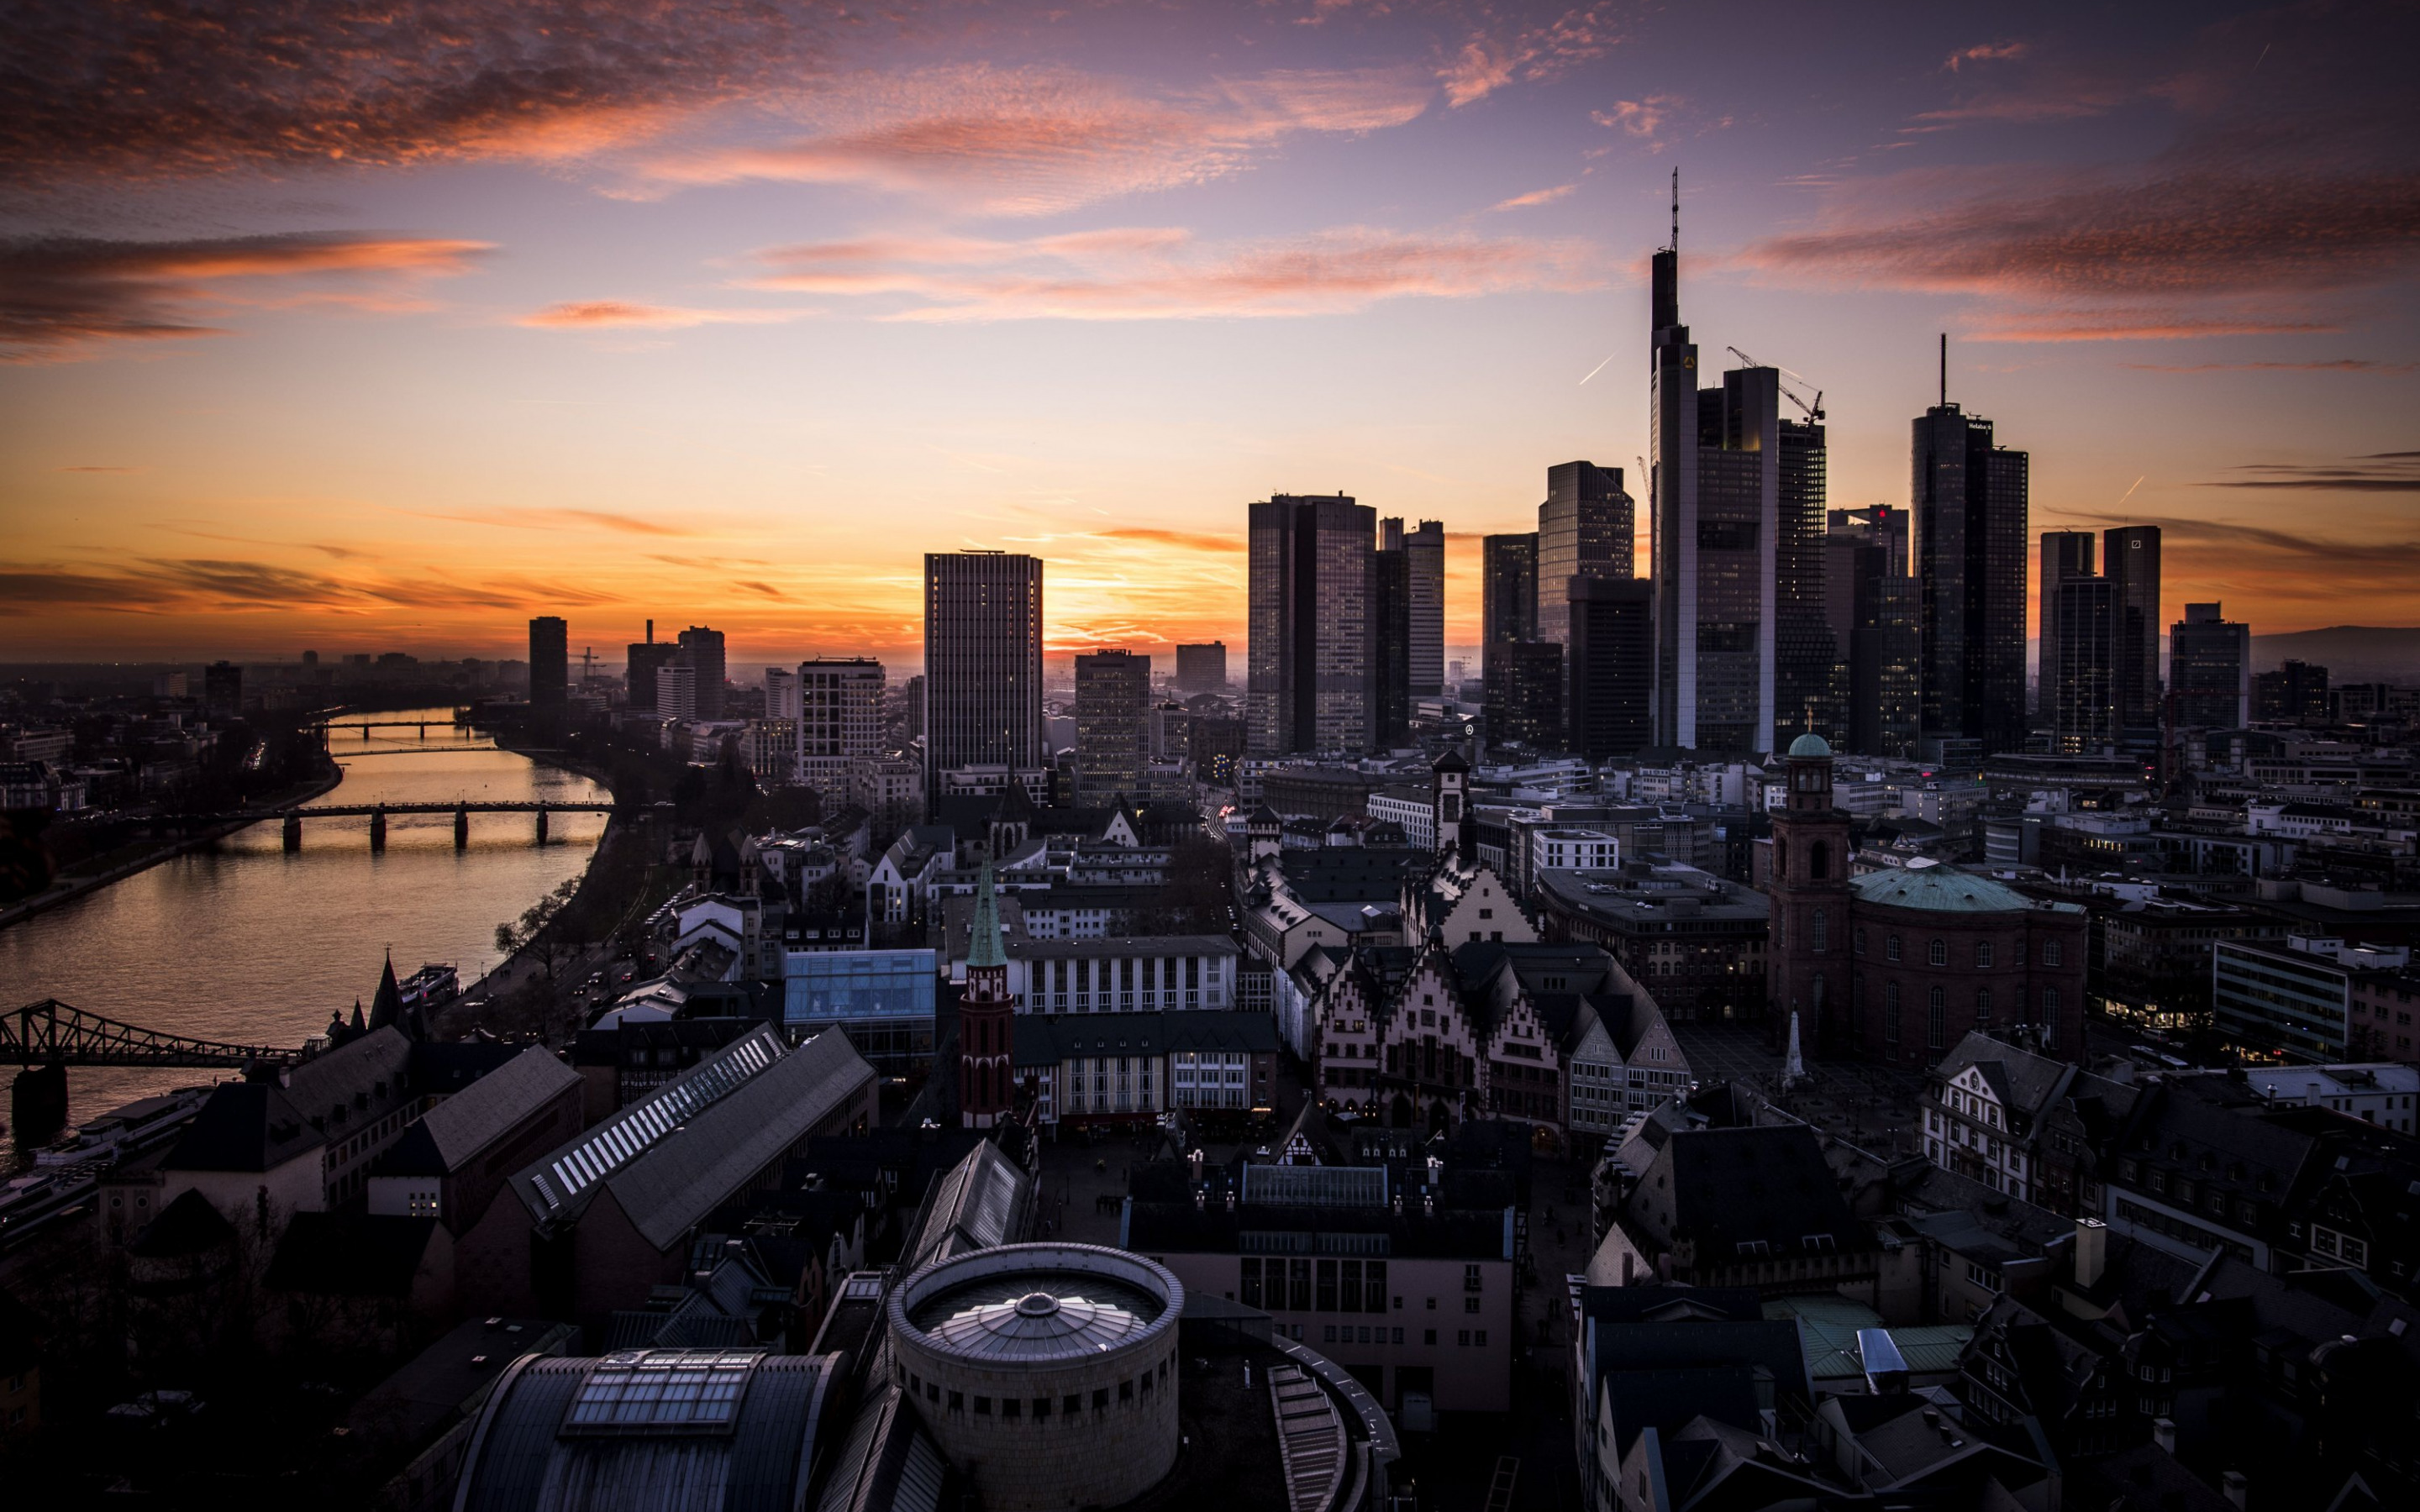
{"x": 1450, "y": 783}
{"x": 1807, "y": 960}
{"x": 986, "y": 1019}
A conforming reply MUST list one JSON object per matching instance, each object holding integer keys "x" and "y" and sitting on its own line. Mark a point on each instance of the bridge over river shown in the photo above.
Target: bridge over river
{"x": 377, "y": 814}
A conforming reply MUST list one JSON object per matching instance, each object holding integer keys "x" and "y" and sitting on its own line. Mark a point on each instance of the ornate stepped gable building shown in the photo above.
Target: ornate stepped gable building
{"x": 1551, "y": 1035}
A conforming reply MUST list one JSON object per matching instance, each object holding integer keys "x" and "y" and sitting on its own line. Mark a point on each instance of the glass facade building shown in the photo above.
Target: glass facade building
{"x": 884, "y": 1000}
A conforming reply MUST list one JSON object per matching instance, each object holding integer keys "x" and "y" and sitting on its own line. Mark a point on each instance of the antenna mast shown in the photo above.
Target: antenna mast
{"x": 1675, "y": 208}
{"x": 1945, "y": 370}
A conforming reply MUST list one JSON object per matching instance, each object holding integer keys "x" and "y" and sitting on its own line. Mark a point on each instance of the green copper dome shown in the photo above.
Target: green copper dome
{"x": 1943, "y": 890}
{"x": 1810, "y": 743}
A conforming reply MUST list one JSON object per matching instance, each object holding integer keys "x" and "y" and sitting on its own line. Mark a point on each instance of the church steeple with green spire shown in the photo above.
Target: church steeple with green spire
{"x": 987, "y": 1017}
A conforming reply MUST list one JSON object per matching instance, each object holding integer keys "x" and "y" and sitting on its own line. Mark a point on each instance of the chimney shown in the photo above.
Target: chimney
{"x": 2164, "y": 1433}
{"x": 2091, "y": 1251}
{"x": 2238, "y": 1491}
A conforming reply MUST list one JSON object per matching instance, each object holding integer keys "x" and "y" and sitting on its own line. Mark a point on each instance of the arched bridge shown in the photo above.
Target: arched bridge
{"x": 51, "y": 1032}
{"x": 377, "y": 814}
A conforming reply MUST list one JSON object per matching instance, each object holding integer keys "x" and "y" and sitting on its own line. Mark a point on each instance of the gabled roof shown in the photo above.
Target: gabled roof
{"x": 443, "y": 1139}
{"x": 1723, "y": 1188}
{"x": 981, "y": 1202}
{"x": 188, "y": 1226}
{"x": 733, "y": 1114}
{"x": 261, "y": 1125}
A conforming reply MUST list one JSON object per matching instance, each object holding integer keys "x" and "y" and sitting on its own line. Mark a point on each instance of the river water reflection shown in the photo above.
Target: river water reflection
{"x": 243, "y": 942}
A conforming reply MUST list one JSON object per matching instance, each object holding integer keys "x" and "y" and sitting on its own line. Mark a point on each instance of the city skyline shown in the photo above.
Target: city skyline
{"x": 738, "y": 337}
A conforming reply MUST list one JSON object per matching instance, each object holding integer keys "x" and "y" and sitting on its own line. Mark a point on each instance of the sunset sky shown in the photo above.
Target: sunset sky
{"x": 365, "y": 328}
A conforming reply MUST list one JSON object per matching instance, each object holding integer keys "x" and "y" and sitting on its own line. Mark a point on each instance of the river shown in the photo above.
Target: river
{"x": 243, "y": 942}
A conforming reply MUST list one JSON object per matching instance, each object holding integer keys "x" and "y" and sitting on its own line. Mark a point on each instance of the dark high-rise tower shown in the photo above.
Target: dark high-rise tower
{"x": 702, "y": 649}
{"x": 1525, "y": 695}
{"x": 1715, "y": 495}
{"x": 1508, "y": 589}
{"x": 2129, "y": 557}
{"x": 1611, "y": 680}
{"x": 1585, "y": 529}
{"x": 2210, "y": 670}
{"x": 549, "y": 662}
{"x": 1390, "y": 642}
{"x": 1811, "y": 689}
{"x": 1310, "y": 665}
{"x": 645, "y": 657}
{"x": 1202, "y": 667}
{"x": 2080, "y": 660}
{"x": 1970, "y": 502}
{"x": 983, "y": 663}
{"x": 1425, "y": 607}
{"x": 2064, "y": 554}
{"x": 1112, "y": 728}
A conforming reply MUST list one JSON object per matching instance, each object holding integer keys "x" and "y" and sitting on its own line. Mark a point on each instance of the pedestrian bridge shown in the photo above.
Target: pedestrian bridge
{"x": 377, "y": 814}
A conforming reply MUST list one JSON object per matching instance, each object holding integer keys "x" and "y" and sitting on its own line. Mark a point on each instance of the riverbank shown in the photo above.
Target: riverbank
{"x": 69, "y": 888}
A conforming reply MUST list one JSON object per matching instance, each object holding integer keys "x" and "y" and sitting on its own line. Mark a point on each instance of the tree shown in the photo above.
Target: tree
{"x": 537, "y": 934}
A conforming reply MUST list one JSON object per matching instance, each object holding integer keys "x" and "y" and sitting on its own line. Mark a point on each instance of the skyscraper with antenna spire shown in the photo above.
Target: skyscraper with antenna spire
{"x": 1969, "y": 499}
{"x": 1715, "y": 488}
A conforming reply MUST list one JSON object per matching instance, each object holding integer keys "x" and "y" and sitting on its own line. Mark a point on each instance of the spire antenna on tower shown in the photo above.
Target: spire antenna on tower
{"x": 1675, "y": 208}
{"x": 1945, "y": 370}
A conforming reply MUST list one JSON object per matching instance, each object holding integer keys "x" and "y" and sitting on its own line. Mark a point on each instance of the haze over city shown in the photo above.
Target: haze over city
{"x": 558, "y": 310}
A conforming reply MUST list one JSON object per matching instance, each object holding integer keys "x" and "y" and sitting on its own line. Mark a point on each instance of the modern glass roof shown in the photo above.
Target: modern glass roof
{"x": 614, "y": 1144}
{"x": 1035, "y": 1316}
{"x": 662, "y": 1388}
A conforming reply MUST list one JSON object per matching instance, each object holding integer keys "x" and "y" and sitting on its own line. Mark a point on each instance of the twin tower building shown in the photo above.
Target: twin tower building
{"x": 1765, "y": 615}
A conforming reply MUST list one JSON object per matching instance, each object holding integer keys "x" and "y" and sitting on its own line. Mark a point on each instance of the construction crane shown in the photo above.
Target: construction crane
{"x": 1812, "y": 411}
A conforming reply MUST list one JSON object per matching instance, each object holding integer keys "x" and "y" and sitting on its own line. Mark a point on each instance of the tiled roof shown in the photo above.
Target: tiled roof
{"x": 466, "y": 1122}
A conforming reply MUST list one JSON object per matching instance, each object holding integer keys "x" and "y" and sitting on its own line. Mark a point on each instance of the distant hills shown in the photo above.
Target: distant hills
{"x": 2351, "y": 652}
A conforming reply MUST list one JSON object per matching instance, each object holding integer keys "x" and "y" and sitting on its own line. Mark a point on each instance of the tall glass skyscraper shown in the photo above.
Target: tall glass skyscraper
{"x": 1583, "y": 531}
{"x": 1716, "y": 493}
{"x": 1112, "y": 730}
{"x": 1971, "y": 551}
{"x": 2064, "y": 554}
{"x": 549, "y": 662}
{"x": 1309, "y": 669}
{"x": 983, "y": 663}
{"x": 702, "y": 649}
{"x": 2129, "y": 557}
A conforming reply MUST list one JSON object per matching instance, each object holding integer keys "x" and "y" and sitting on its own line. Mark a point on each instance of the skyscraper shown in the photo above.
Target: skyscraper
{"x": 1425, "y": 546}
{"x": 702, "y": 649}
{"x": 639, "y": 671}
{"x": 2129, "y": 557}
{"x": 1201, "y": 669}
{"x": 1112, "y": 725}
{"x": 1970, "y": 502}
{"x": 549, "y": 662}
{"x": 1525, "y": 695}
{"x": 983, "y": 663}
{"x": 1716, "y": 494}
{"x": 840, "y": 719}
{"x": 1871, "y": 609}
{"x": 223, "y": 690}
{"x": 2080, "y": 659}
{"x": 2210, "y": 670}
{"x": 1508, "y": 589}
{"x": 2064, "y": 554}
{"x": 782, "y": 693}
{"x": 1611, "y": 711}
{"x": 1809, "y": 686}
{"x": 1583, "y": 531}
{"x": 1390, "y": 642}
{"x": 1309, "y": 674}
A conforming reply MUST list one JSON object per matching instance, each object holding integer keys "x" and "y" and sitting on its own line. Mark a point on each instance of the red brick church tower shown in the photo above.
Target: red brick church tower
{"x": 986, "y": 1019}
{"x": 1807, "y": 957}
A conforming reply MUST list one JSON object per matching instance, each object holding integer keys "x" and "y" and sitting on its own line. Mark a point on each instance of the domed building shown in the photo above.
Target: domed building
{"x": 1898, "y": 964}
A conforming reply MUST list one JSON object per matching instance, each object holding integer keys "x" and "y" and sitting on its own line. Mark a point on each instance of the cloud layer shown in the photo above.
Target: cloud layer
{"x": 1034, "y": 141}
{"x": 61, "y": 293}
{"x": 190, "y": 87}
{"x": 1160, "y": 272}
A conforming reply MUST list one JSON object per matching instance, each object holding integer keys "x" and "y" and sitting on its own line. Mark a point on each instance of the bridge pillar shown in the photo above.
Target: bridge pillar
{"x": 37, "y": 1104}
{"x": 541, "y": 823}
{"x": 365, "y": 735}
{"x": 423, "y": 731}
{"x": 461, "y": 827}
{"x": 378, "y": 829}
{"x": 293, "y": 834}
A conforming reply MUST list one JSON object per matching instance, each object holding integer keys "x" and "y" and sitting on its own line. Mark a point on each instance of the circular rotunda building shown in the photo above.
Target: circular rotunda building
{"x": 1046, "y": 1372}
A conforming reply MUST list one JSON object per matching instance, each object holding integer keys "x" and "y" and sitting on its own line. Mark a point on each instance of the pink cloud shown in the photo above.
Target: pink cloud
{"x": 1036, "y": 141}
{"x": 59, "y": 295}
{"x": 1486, "y": 62}
{"x": 1986, "y": 53}
{"x": 592, "y": 313}
{"x": 1147, "y": 274}
{"x": 1536, "y": 197}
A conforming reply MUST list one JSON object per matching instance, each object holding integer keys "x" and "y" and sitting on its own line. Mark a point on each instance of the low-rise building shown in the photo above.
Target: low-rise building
{"x": 1413, "y": 1296}
{"x": 2294, "y": 1000}
{"x": 1754, "y": 1206}
{"x": 1696, "y": 941}
{"x": 592, "y": 1226}
{"x": 2031, "y": 1126}
{"x": 1114, "y": 1068}
{"x": 450, "y": 1162}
